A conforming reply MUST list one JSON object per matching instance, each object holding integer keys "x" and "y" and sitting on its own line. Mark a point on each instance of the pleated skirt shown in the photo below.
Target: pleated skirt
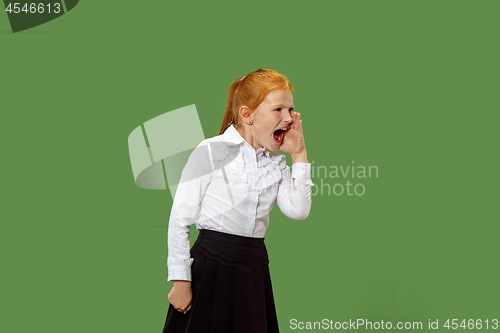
{"x": 232, "y": 291}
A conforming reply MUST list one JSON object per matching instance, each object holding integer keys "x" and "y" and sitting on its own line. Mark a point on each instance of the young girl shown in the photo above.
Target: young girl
{"x": 228, "y": 186}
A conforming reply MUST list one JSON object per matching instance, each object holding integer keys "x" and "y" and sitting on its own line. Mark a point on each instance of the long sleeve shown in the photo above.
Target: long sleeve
{"x": 295, "y": 201}
{"x": 195, "y": 178}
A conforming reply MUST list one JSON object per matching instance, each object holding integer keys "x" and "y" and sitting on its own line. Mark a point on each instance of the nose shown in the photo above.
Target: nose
{"x": 288, "y": 118}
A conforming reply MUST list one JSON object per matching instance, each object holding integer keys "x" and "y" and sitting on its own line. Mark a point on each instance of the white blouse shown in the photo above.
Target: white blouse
{"x": 229, "y": 187}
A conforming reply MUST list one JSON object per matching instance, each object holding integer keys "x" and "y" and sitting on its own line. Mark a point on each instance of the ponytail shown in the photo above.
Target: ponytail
{"x": 229, "y": 117}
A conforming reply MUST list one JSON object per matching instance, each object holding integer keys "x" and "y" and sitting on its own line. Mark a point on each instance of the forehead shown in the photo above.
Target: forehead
{"x": 283, "y": 97}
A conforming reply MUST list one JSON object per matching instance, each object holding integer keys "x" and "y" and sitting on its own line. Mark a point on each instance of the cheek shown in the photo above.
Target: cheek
{"x": 265, "y": 125}
{"x": 268, "y": 129}
{"x": 263, "y": 134}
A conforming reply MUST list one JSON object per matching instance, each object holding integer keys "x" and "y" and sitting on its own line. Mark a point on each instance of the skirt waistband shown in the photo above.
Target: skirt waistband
{"x": 230, "y": 238}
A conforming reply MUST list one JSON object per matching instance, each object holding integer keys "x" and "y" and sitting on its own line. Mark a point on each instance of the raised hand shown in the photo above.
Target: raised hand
{"x": 293, "y": 142}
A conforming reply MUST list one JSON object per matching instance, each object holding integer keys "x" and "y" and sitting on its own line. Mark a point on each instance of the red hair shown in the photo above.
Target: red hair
{"x": 251, "y": 90}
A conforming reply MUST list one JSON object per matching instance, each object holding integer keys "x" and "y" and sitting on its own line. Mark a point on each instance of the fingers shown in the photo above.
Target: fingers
{"x": 294, "y": 122}
{"x": 297, "y": 122}
{"x": 178, "y": 308}
{"x": 182, "y": 309}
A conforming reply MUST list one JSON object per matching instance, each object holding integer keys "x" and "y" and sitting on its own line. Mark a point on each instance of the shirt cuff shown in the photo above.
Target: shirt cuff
{"x": 301, "y": 171}
{"x": 179, "y": 269}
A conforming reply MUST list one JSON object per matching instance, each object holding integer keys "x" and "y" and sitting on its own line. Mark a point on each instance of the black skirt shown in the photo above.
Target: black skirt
{"x": 231, "y": 285}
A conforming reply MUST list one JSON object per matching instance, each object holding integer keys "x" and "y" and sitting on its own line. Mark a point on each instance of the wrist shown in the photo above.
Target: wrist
{"x": 299, "y": 157}
{"x": 181, "y": 282}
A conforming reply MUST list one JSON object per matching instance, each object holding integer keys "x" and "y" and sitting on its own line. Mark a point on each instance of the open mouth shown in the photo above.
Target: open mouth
{"x": 278, "y": 135}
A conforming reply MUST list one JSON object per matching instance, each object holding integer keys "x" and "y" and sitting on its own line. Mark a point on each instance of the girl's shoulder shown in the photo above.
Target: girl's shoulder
{"x": 220, "y": 150}
{"x": 218, "y": 139}
{"x": 213, "y": 145}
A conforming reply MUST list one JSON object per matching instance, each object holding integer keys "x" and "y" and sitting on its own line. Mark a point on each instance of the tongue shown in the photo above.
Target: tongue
{"x": 278, "y": 135}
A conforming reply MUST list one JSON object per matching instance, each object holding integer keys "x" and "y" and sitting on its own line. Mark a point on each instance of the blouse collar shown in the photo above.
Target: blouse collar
{"x": 232, "y": 135}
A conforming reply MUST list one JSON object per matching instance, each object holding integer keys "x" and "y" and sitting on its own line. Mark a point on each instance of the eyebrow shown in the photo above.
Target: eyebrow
{"x": 274, "y": 105}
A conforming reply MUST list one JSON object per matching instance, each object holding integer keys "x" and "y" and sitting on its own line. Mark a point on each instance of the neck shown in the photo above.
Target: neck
{"x": 247, "y": 134}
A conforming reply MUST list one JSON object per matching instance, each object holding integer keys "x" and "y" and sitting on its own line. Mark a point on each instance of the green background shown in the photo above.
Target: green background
{"x": 408, "y": 86}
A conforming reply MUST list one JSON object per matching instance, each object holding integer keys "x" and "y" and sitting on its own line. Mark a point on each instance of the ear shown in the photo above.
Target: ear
{"x": 245, "y": 114}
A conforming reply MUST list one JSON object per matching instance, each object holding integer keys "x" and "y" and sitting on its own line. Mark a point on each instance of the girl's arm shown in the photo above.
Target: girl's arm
{"x": 193, "y": 183}
{"x": 294, "y": 191}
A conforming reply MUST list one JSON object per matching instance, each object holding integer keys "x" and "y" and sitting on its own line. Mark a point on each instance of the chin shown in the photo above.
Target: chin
{"x": 274, "y": 146}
